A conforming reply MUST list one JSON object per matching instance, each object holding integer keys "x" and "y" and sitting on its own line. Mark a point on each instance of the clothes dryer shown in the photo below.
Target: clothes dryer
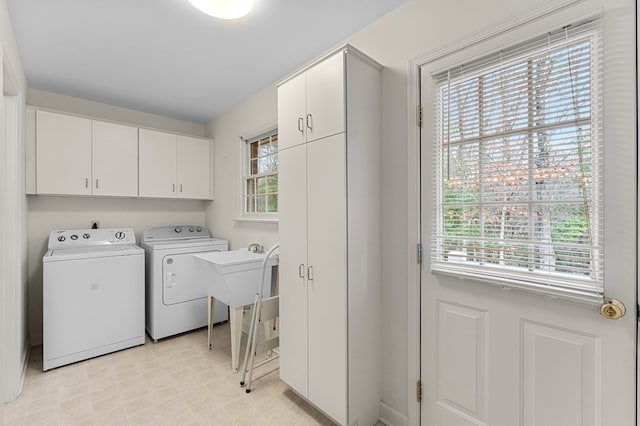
{"x": 176, "y": 295}
{"x": 93, "y": 294}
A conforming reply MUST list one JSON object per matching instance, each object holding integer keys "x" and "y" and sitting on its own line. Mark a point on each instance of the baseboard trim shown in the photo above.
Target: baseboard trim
{"x": 392, "y": 417}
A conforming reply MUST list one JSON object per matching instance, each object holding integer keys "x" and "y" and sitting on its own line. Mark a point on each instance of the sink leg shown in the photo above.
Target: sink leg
{"x": 235, "y": 323}
{"x": 210, "y": 312}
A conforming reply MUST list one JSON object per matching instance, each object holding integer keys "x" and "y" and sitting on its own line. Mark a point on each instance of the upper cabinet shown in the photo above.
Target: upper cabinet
{"x": 63, "y": 154}
{"x": 194, "y": 168}
{"x": 174, "y": 166}
{"x": 114, "y": 160}
{"x": 79, "y": 156}
{"x": 71, "y": 155}
{"x": 311, "y": 105}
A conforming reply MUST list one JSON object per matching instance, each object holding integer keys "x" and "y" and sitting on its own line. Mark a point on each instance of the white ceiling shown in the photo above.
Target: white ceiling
{"x": 166, "y": 57}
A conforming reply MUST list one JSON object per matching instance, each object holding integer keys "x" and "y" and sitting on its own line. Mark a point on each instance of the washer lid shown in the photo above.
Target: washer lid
{"x": 196, "y": 243}
{"x": 91, "y": 252}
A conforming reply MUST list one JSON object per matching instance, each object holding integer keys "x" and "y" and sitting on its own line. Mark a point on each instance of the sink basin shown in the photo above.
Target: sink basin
{"x": 233, "y": 276}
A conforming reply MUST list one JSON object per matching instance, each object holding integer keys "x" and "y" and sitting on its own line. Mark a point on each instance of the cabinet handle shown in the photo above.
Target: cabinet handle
{"x": 310, "y": 121}
{"x": 86, "y": 182}
{"x": 301, "y": 125}
{"x": 96, "y": 183}
{"x": 180, "y": 187}
{"x": 301, "y": 270}
{"x": 174, "y": 187}
{"x": 310, "y": 273}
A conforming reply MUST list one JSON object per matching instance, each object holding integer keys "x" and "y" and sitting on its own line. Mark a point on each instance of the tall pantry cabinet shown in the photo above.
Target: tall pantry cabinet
{"x": 329, "y": 208}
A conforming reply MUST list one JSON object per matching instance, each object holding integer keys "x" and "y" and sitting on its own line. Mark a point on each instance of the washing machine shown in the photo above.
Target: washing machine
{"x": 176, "y": 295}
{"x": 93, "y": 294}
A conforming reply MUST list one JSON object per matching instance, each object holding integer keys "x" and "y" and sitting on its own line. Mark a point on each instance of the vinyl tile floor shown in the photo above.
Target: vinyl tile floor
{"x": 175, "y": 381}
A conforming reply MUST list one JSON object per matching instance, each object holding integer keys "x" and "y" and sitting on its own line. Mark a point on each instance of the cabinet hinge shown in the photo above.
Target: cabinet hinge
{"x": 419, "y": 254}
{"x": 419, "y": 390}
{"x": 419, "y": 115}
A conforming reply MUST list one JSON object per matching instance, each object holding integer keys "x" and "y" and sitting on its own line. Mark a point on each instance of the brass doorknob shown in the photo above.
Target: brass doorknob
{"x": 612, "y": 309}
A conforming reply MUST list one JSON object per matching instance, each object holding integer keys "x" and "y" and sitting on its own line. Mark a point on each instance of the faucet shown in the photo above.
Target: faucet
{"x": 255, "y": 248}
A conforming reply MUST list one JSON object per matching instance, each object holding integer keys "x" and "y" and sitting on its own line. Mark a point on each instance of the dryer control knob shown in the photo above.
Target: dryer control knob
{"x": 198, "y": 229}
{"x": 190, "y": 229}
{"x": 86, "y": 236}
{"x": 119, "y": 235}
{"x": 74, "y": 237}
{"x": 61, "y": 238}
{"x": 178, "y": 230}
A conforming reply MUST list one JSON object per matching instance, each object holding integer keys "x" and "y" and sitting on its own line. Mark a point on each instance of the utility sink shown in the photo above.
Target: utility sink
{"x": 233, "y": 276}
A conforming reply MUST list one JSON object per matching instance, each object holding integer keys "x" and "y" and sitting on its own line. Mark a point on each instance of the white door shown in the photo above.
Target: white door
{"x": 501, "y": 356}
{"x": 194, "y": 167}
{"x": 63, "y": 154}
{"x": 292, "y": 206}
{"x": 327, "y": 274}
{"x": 157, "y": 164}
{"x": 326, "y": 98}
{"x": 114, "y": 159}
{"x": 292, "y": 110}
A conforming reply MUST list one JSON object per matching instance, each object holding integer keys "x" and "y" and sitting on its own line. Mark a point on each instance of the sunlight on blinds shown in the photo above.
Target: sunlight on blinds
{"x": 519, "y": 166}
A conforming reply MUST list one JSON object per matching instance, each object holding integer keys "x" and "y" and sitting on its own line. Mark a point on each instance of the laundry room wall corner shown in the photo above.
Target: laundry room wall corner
{"x": 246, "y": 120}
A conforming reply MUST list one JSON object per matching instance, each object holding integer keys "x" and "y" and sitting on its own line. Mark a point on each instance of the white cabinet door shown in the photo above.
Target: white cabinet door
{"x": 325, "y": 98}
{"x": 194, "y": 166}
{"x": 114, "y": 159}
{"x": 292, "y": 111}
{"x": 292, "y": 206}
{"x": 157, "y": 172}
{"x": 327, "y": 288}
{"x": 63, "y": 154}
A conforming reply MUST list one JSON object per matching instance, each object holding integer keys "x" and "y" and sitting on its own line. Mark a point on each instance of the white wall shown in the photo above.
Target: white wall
{"x": 73, "y": 105}
{"x": 250, "y": 118}
{"x": 415, "y": 28}
{"x": 13, "y": 278}
{"x": 47, "y": 213}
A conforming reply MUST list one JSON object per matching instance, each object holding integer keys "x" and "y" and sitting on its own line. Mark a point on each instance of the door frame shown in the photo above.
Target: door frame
{"x": 14, "y": 348}
{"x": 414, "y": 230}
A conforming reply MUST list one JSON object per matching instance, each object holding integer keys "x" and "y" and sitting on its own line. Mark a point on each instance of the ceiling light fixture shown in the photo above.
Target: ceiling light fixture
{"x": 224, "y": 9}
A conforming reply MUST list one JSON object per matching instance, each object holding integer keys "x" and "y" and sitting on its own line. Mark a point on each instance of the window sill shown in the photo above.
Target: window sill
{"x": 256, "y": 220}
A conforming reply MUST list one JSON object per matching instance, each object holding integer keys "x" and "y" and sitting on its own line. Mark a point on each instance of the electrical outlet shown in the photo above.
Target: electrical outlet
{"x": 95, "y": 224}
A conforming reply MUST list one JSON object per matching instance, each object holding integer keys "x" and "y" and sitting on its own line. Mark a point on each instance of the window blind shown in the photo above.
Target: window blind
{"x": 519, "y": 166}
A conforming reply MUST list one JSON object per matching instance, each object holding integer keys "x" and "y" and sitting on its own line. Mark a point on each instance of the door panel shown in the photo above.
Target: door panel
{"x": 292, "y": 205}
{"x": 63, "y": 151}
{"x": 114, "y": 159}
{"x": 560, "y": 370}
{"x": 194, "y": 165}
{"x": 461, "y": 361}
{"x": 326, "y": 98}
{"x": 157, "y": 164}
{"x": 327, "y": 253}
{"x": 292, "y": 109}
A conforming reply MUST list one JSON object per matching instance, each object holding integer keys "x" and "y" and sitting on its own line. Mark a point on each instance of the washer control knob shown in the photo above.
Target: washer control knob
{"x": 74, "y": 237}
{"x": 178, "y": 230}
{"x": 198, "y": 229}
{"x": 86, "y": 236}
{"x": 61, "y": 238}
{"x": 119, "y": 235}
{"x": 190, "y": 229}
